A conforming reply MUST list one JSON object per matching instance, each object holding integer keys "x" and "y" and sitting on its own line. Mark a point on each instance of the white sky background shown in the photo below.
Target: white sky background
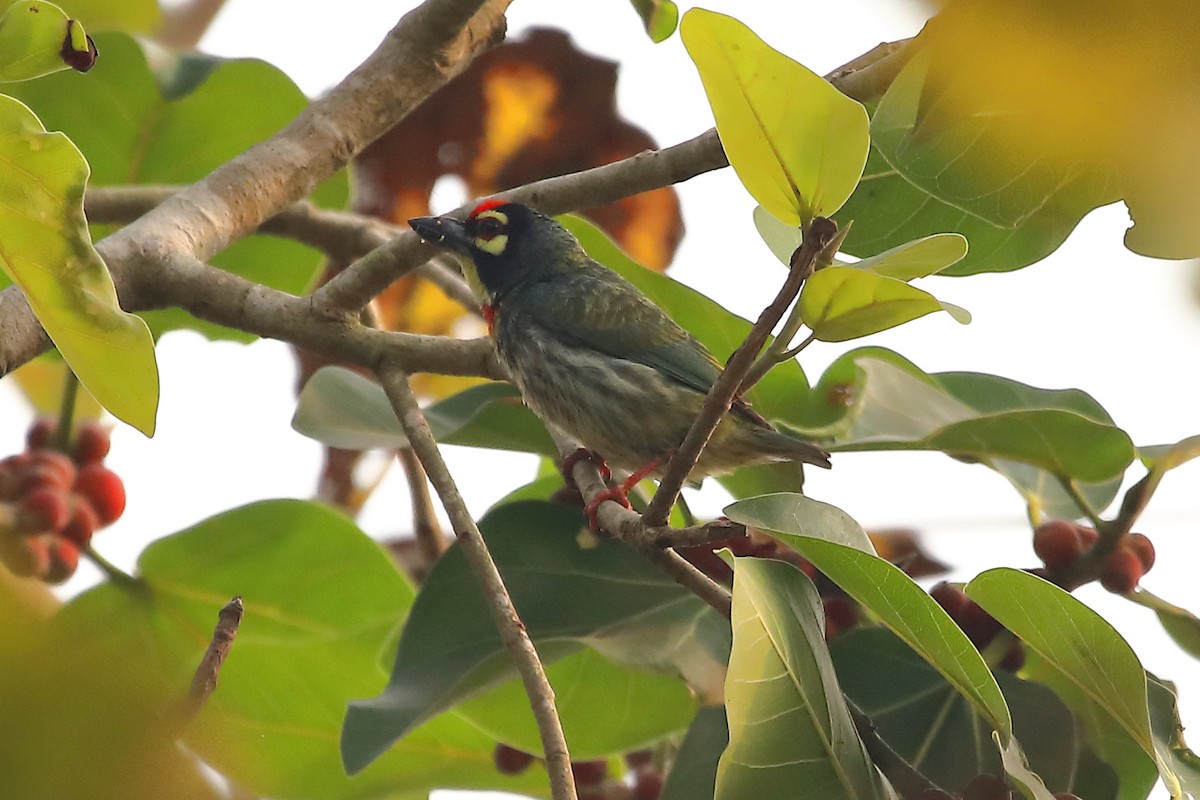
{"x": 1092, "y": 316}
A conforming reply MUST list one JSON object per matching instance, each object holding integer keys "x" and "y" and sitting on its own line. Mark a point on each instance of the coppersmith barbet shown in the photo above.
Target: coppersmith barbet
{"x": 592, "y": 355}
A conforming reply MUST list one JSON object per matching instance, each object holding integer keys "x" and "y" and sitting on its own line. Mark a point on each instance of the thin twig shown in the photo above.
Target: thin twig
{"x": 431, "y": 541}
{"x": 628, "y": 526}
{"x": 512, "y": 630}
{"x": 205, "y": 679}
{"x": 904, "y": 777}
{"x": 725, "y": 389}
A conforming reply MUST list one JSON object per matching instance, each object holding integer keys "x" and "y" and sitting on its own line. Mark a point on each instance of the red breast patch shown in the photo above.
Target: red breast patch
{"x": 489, "y": 316}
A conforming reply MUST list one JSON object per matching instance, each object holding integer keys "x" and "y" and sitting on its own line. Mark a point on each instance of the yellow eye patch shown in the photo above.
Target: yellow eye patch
{"x": 490, "y": 225}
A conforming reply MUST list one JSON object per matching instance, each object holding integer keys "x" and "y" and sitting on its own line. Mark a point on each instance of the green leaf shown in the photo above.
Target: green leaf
{"x": 604, "y": 708}
{"x": 1180, "y": 624}
{"x": 1168, "y": 734}
{"x": 1061, "y": 442}
{"x": 796, "y": 143}
{"x": 840, "y": 548}
{"x": 781, "y": 395}
{"x": 132, "y": 16}
{"x": 46, "y": 249}
{"x": 341, "y": 408}
{"x": 929, "y": 173}
{"x": 320, "y": 598}
{"x": 1160, "y": 460}
{"x": 790, "y": 731}
{"x": 1077, "y": 644}
{"x": 37, "y": 38}
{"x": 841, "y": 303}
{"x": 605, "y": 597}
{"x": 660, "y": 18}
{"x": 935, "y": 728}
{"x": 919, "y": 258}
{"x": 131, "y": 133}
{"x": 694, "y": 772}
{"x": 1135, "y": 771}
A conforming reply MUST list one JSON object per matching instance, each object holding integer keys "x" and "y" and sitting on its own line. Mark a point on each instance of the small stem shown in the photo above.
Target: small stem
{"x": 111, "y": 570}
{"x": 904, "y": 777}
{"x": 499, "y": 602}
{"x": 788, "y": 355}
{"x": 725, "y": 389}
{"x": 66, "y": 411}
{"x": 426, "y": 529}
{"x": 204, "y": 682}
{"x": 1081, "y": 502}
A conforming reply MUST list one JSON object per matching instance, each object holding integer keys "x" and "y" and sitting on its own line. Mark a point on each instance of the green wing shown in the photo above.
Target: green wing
{"x": 604, "y": 312}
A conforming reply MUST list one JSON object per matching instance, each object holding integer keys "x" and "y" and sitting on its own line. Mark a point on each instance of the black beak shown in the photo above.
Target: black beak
{"x": 443, "y": 232}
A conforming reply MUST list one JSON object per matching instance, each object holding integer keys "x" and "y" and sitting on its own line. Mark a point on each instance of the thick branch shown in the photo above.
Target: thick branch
{"x": 341, "y": 235}
{"x": 726, "y": 388}
{"x": 512, "y": 630}
{"x": 427, "y": 47}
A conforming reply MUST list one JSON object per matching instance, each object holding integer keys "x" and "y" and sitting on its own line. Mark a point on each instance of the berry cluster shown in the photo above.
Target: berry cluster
{"x": 644, "y": 780}
{"x": 1058, "y": 543}
{"x": 51, "y": 502}
{"x": 979, "y": 626}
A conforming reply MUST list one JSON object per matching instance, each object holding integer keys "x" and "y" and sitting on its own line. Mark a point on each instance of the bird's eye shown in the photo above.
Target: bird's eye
{"x": 488, "y": 228}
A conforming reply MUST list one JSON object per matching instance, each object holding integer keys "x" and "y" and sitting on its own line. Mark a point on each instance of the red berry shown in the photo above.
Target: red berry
{"x": 1058, "y": 543}
{"x": 64, "y": 560}
{"x": 1122, "y": 571}
{"x": 979, "y": 626}
{"x": 951, "y": 598}
{"x": 1141, "y": 547}
{"x": 1088, "y": 533}
{"x": 41, "y": 433}
{"x": 510, "y": 761}
{"x": 25, "y": 556}
{"x": 91, "y": 444}
{"x": 639, "y": 758}
{"x": 841, "y": 611}
{"x": 48, "y": 468}
{"x": 82, "y": 522}
{"x": 1014, "y": 658}
{"x": 104, "y": 490}
{"x": 986, "y": 787}
{"x": 43, "y": 509}
{"x": 589, "y": 773}
{"x": 648, "y": 785}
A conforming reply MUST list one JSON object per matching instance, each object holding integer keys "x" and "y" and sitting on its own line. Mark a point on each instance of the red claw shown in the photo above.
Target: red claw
{"x": 583, "y": 454}
{"x": 618, "y": 494}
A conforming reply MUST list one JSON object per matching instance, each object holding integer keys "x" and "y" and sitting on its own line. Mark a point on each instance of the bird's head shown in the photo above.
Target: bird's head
{"x": 502, "y": 244}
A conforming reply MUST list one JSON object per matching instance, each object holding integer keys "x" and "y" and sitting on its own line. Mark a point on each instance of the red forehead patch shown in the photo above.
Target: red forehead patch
{"x": 487, "y": 205}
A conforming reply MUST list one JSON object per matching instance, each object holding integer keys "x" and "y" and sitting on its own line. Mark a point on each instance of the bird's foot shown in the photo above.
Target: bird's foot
{"x": 618, "y": 494}
{"x": 584, "y": 454}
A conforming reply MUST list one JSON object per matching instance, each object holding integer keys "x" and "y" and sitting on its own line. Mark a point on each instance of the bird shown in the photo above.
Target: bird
{"x": 593, "y": 356}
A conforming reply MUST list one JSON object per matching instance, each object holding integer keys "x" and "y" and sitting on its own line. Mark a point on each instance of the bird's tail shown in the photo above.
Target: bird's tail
{"x": 791, "y": 448}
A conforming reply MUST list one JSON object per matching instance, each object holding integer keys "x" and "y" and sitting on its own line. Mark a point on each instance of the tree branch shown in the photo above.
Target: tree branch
{"x": 183, "y": 24}
{"x": 429, "y": 45}
{"x": 726, "y": 388}
{"x": 512, "y": 630}
{"x": 628, "y": 526}
{"x": 354, "y": 287}
{"x": 426, "y": 529}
